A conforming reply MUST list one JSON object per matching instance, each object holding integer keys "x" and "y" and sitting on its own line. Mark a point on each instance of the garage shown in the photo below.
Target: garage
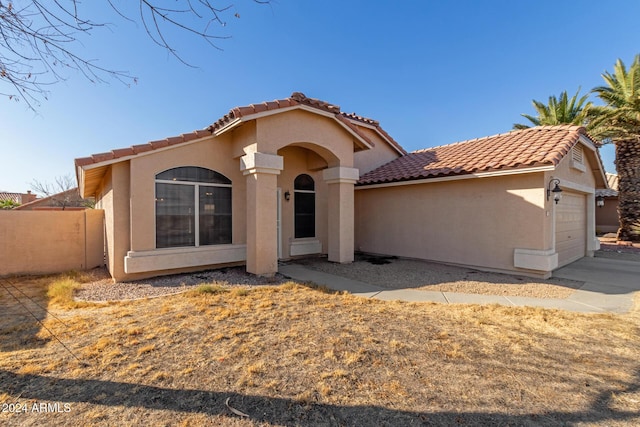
{"x": 571, "y": 226}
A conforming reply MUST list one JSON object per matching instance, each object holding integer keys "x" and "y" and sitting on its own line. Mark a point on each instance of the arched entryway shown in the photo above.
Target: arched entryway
{"x": 271, "y": 205}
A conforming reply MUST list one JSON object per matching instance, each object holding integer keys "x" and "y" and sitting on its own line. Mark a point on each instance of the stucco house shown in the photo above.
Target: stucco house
{"x": 298, "y": 177}
{"x": 17, "y": 198}
{"x": 68, "y": 200}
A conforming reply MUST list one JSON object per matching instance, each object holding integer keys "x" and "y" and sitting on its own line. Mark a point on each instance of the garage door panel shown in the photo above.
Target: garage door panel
{"x": 571, "y": 222}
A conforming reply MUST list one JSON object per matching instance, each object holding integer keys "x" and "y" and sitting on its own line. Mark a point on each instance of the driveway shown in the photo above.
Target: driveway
{"x": 609, "y": 283}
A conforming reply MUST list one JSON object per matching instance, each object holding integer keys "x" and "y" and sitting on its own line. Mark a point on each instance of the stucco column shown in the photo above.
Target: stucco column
{"x": 261, "y": 171}
{"x": 340, "y": 212}
{"x": 593, "y": 244}
{"x": 118, "y": 219}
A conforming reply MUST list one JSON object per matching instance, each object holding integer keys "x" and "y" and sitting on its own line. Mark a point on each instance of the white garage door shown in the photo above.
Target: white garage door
{"x": 571, "y": 228}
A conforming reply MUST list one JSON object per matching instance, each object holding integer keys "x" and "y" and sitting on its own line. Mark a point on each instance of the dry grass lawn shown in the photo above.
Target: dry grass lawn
{"x": 295, "y": 355}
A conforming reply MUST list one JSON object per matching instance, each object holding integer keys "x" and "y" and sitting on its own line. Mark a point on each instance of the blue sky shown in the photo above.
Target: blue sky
{"x": 432, "y": 73}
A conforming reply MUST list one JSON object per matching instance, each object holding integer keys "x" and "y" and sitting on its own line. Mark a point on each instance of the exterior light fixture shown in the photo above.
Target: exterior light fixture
{"x": 287, "y": 195}
{"x": 600, "y": 201}
{"x": 556, "y": 190}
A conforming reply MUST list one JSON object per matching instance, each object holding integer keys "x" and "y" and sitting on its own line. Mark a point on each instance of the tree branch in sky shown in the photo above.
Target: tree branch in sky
{"x": 39, "y": 40}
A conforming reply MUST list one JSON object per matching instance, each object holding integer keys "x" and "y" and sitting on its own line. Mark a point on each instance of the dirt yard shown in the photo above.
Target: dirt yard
{"x": 398, "y": 273}
{"x": 290, "y": 355}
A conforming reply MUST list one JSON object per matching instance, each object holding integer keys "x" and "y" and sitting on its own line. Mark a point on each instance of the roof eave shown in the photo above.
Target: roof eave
{"x": 385, "y": 137}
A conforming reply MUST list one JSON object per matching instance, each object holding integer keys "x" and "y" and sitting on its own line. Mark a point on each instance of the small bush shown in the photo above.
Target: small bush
{"x": 210, "y": 289}
{"x": 61, "y": 291}
{"x": 241, "y": 292}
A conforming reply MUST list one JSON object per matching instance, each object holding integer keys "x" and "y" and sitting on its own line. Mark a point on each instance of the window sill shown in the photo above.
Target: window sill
{"x": 306, "y": 246}
{"x": 171, "y": 258}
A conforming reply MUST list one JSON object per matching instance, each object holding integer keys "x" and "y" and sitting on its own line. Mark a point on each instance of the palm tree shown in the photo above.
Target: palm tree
{"x": 618, "y": 122}
{"x": 559, "y": 111}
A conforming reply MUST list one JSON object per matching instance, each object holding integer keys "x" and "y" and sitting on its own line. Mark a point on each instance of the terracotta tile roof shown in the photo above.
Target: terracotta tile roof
{"x": 20, "y": 198}
{"x": 298, "y": 98}
{"x": 137, "y": 149}
{"x": 612, "y": 182}
{"x": 12, "y": 197}
{"x": 350, "y": 120}
{"x": 539, "y": 146}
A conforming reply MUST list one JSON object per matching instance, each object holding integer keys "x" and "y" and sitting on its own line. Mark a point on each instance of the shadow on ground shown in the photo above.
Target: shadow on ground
{"x": 403, "y": 273}
{"x": 281, "y": 411}
{"x": 23, "y": 308}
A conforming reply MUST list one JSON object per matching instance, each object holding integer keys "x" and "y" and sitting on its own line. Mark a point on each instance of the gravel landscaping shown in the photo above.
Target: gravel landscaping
{"x": 388, "y": 272}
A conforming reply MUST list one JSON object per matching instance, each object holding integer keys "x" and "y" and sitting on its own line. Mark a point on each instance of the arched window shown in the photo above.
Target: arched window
{"x": 193, "y": 208}
{"x": 304, "y": 206}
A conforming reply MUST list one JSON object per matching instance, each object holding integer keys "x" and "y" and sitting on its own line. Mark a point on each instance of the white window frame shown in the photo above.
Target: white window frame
{"x": 196, "y": 205}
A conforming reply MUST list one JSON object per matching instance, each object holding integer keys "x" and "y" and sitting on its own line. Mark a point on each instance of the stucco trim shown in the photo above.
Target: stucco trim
{"x": 261, "y": 163}
{"x": 376, "y": 129}
{"x": 305, "y": 247}
{"x": 232, "y": 124}
{"x": 593, "y": 245}
{"x": 533, "y": 259}
{"x": 572, "y": 186}
{"x": 456, "y": 177}
{"x": 167, "y": 259}
{"x": 341, "y": 174}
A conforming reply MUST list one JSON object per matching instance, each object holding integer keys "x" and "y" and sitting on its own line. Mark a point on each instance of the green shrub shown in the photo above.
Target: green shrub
{"x": 210, "y": 289}
{"x": 61, "y": 291}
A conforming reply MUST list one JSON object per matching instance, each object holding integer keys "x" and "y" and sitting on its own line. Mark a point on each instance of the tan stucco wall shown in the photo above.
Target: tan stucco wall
{"x": 211, "y": 153}
{"x": 104, "y": 201}
{"x": 476, "y": 222}
{"x": 323, "y": 134}
{"x": 243, "y": 139}
{"x": 381, "y": 153}
{"x": 570, "y": 175}
{"x": 607, "y": 216}
{"x": 37, "y": 242}
{"x": 113, "y": 198}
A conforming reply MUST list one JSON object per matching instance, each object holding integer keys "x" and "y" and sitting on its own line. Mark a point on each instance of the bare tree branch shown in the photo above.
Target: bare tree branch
{"x": 38, "y": 39}
{"x": 60, "y": 192}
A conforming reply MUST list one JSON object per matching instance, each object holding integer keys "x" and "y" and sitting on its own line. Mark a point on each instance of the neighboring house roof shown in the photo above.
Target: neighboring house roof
{"x": 17, "y": 197}
{"x": 13, "y": 197}
{"x": 69, "y": 200}
{"x": 516, "y": 151}
{"x": 250, "y": 112}
{"x": 612, "y": 182}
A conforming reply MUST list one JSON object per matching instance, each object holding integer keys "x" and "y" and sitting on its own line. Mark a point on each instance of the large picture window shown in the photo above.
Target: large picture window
{"x": 193, "y": 208}
{"x": 304, "y": 206}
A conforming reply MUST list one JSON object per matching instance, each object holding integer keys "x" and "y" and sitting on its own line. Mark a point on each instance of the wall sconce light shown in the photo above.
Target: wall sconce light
{"x": 599, "y": 201}
{"x": 556, "y": 190}
{"x": 287, "y": 195}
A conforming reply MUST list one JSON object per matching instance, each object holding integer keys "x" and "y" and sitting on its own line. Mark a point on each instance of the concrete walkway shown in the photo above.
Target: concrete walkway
{"x": 609, "y": 285}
